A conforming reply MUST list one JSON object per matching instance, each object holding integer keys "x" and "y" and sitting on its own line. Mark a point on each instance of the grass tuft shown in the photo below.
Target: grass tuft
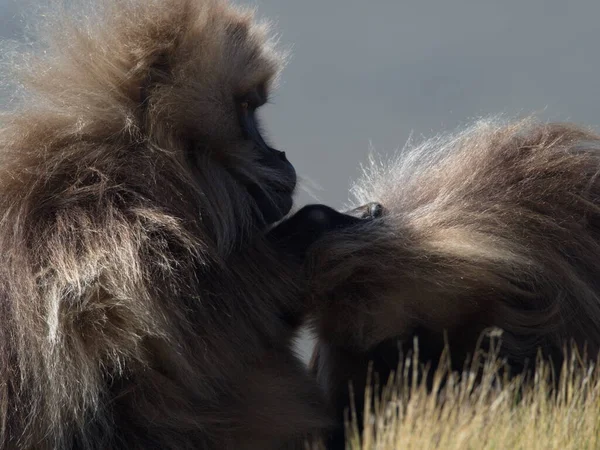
{"x": 482, "y": 408}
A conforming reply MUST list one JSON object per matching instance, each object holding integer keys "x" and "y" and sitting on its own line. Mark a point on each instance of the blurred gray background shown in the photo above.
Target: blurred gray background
{"x": 372, "y": 72}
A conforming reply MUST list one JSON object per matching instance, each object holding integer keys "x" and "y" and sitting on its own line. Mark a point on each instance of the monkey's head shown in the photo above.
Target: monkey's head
{"x": 352, "y": 271}
{"x": 169, "y": 93}
{"x": 210, "y": 71}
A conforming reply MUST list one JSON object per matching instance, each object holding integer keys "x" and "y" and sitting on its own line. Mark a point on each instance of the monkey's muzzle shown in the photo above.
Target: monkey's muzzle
{"x": 310, "y": 223}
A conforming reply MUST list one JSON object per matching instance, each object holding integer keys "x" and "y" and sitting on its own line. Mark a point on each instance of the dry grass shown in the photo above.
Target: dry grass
{"x": 485, "y": 411}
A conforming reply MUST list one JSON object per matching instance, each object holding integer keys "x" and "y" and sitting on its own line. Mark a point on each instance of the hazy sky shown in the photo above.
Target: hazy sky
{"x": 374, "y": 71}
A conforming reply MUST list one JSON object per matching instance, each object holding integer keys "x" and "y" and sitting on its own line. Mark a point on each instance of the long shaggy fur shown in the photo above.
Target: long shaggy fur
{"x": 495, "y": 226}
{"x": 141, "y": 306}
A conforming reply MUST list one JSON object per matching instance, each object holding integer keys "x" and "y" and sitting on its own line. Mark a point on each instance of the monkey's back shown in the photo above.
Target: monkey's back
{"x": 495, "y": 226}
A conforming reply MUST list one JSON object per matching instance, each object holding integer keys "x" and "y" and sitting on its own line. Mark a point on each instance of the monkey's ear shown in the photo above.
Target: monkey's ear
{"x": 296, "y": 234}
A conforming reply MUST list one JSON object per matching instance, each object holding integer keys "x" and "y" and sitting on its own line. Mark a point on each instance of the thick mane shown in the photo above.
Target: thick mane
{"x": 145, "y": 75}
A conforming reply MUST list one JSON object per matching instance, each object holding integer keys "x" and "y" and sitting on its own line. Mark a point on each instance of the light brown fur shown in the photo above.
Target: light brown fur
{"x": 496, "y": 226}
{"x": 141, "y": 305}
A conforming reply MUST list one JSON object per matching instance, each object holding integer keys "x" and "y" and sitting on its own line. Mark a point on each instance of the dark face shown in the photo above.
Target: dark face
{"x": 297, "y": 233}
{"x": 274, "y": 196}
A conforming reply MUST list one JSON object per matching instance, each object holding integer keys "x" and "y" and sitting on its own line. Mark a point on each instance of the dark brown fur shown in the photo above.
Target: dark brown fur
{"x": 497, "y": 226}
{"x": 141, "y": 305}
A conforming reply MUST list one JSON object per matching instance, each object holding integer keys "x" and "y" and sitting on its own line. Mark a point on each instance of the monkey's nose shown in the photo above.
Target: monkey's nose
{"x": 281, "y": 155}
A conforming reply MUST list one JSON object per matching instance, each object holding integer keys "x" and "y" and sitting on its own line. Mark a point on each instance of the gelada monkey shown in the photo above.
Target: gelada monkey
{"x": 497, "y": 226}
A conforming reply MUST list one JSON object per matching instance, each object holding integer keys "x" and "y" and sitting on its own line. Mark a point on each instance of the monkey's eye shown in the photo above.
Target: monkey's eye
{"x": 247, "y": 104}
{"x": 253, "y": 99}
